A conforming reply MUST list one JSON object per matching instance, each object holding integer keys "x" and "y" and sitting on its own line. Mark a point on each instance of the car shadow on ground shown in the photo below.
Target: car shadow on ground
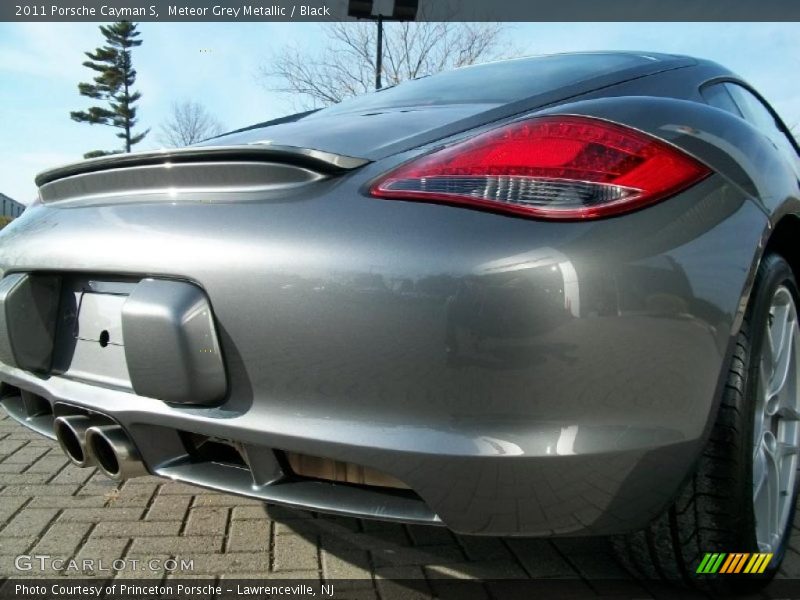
{"x": 419, "y": 561}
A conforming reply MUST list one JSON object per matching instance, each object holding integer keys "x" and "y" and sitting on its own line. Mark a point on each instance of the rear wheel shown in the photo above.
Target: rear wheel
{"x": 741, "y": 497}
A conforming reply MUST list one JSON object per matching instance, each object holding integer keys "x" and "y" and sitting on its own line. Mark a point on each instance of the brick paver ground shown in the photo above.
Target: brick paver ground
{"x": 49, "y": 507}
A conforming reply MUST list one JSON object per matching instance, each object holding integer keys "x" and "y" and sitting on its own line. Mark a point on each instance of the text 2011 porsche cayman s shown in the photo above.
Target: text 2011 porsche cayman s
{"x": 538, "y": 297}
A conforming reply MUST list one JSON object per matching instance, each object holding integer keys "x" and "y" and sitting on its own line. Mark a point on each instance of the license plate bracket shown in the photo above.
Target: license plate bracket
{"x": 90, "y": 345}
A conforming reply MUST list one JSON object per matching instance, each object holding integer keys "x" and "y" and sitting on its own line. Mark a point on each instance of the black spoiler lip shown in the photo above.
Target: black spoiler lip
{"x": 318, "y": 160}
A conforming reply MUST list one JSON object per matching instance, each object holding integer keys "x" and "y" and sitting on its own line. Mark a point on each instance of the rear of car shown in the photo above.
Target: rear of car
{"x": 389, "y": 309}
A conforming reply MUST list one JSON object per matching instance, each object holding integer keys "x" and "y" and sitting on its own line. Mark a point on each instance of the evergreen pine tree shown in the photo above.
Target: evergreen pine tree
{"x": 113, "y": 85}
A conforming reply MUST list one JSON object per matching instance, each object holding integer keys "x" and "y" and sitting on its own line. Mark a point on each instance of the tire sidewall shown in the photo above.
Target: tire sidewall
{"x": 773, "y": 272}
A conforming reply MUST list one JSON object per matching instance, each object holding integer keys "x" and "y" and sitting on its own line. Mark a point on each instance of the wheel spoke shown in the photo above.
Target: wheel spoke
{"x": 760, "y": 471}
{"x": 776, "y": 424}
{"x": 787, "y": 411}
{"x": 784, "y": 326}
{"x": 768, "y": 352}
{"x": 772, "y": 490}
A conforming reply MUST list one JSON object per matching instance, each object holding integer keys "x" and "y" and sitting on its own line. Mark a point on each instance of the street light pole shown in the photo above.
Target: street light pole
{"x": 379, "y": 54}
{"x": 393, "y": 10}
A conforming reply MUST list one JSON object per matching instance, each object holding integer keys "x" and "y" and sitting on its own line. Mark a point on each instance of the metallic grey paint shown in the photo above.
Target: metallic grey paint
{"x": 418, "y": 339}
{"x": 171, "y": 347}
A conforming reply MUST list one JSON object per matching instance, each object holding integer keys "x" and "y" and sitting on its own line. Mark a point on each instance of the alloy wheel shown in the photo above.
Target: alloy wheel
{"x": 776, "y": 428}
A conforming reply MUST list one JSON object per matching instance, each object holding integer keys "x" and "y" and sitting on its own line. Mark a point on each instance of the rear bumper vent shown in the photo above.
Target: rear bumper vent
{"x": 315, "y": 467}
{"x": 29, "y": 409}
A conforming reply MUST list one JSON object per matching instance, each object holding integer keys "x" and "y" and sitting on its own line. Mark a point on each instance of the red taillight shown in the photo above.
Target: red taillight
{"x": 549, "y": 167}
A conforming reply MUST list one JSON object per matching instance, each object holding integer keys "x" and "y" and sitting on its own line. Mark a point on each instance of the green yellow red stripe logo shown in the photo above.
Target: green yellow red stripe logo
{"x": 734, "y": 562}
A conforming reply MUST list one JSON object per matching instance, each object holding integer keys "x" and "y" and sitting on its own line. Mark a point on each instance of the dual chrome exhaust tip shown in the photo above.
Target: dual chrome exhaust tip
{"x": 108, "y": 447}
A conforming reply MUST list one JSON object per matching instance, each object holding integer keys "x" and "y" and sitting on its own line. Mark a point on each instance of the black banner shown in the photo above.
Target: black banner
{"x": 68, "y": 588}
{"x": 426, "y": 10}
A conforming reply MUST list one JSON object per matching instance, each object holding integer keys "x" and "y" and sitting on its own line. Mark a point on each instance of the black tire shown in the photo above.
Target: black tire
{"x": 714, "y": 510}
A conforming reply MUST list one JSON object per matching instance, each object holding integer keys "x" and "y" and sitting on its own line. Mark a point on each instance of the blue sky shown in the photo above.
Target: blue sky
{"x": 217, "y": 64}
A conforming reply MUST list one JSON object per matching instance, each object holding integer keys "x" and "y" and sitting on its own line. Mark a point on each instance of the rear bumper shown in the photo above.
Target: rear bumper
{"x": 522, "y": 378}
{"x": 590, "y": 484}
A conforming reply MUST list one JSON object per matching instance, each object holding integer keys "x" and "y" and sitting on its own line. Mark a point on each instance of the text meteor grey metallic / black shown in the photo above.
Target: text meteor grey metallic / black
{"x": 539, "y": 297}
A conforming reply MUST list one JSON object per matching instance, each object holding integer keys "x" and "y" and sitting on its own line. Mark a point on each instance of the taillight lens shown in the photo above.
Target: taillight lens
{"x": 549, "y": 167}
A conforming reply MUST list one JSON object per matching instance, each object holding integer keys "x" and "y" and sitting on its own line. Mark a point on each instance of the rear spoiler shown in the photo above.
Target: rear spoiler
{"x": 325, "y": 162}
{"x": 199, "y": 170}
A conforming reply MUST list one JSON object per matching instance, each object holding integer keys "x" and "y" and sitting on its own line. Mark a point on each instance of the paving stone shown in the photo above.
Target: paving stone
{"x": 129, "y": 496}
{"x": 92, "y": 515}
{"x": 109, "y": 495}
{"x": 207, "y": 520}
{"x": 168, "y": 508}
{"x": 138, "y": 529}
{"x": 8, "y": 447}
{"x": 16, "y": 545}
{"x": 142, "y": 568}
{"x": 354, "y": 564}
{"x": 62, "y": 538}
{"x": 307, "y": 527}
{"x": 295, "y": 553}
{"x": 177, "y": 545}
{"x": 67, "y": 502}
{"x": 216, "y": 564}
{"x": 171, "y": 488}
{"x": 224, "y": 500}
{"x": 134, "y": 488}
{"x": 10, "y": 505}
{"x": 12, "y": 468}
{"x": 151, "y": 479}
{"x": 39, "y": 490}
{"x": 43, "y": 442}
{"x": 248, "y": 513}
{"x": 248, "y": 536}
{"x": 97, "y": 555}
{"x": 540, "y": 558}
{"x": 26, "y": 454}
{"x": 50, "y": 464}
{"x": 99, "y": 478}
{"x": 29, "y": 521}
{"x": 73, "y": 474}
{"x": 25, "y": 478}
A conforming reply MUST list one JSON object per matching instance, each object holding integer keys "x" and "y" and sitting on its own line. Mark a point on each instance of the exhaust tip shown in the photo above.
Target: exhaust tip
{"x": 105, "y": 456}
{"x": 71, "y": 435}
{"x": 114, "y": 453}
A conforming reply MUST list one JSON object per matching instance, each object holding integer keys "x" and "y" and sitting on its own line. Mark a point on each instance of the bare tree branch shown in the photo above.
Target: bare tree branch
{"x": 346, "y": 67}
{"x": 188, "y": 123}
